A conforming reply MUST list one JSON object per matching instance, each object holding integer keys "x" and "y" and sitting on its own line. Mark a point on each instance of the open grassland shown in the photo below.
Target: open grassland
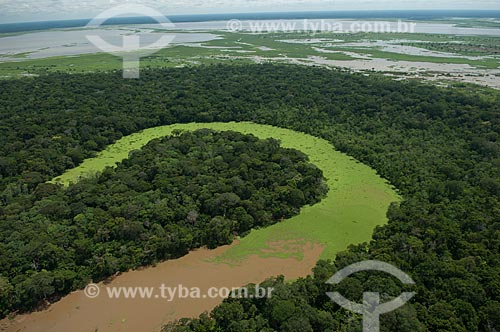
{"x": 356, "y": 203}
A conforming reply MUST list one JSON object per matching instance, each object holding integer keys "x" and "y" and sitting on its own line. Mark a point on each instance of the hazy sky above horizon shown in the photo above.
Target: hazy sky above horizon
{"x": 39, "y": 10}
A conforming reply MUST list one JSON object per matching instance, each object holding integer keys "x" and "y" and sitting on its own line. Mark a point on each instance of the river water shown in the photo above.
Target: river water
{"x": 68, "y": 42}
{"x": 78, "y": 313}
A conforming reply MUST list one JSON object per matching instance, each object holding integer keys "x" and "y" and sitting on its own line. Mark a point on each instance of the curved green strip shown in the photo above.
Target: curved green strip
{"x": 356, "y": 203}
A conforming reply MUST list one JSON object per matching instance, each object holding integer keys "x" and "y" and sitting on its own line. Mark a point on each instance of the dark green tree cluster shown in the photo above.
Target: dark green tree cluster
{"x": 439, "y": 146}
{"x": 177, "y": 193}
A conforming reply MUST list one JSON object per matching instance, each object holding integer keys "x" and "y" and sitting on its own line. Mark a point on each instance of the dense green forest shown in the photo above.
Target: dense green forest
{"x": 175, "y": 194}
{"x": 438, "y": 146}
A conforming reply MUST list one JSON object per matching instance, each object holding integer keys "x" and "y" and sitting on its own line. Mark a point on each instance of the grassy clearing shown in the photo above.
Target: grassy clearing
{"x": 70, "y": 64}
{"x": 356, "y": 203}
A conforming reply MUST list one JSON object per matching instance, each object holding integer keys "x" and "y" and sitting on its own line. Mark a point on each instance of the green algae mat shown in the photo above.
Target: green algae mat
{"x": 356, "y": 203}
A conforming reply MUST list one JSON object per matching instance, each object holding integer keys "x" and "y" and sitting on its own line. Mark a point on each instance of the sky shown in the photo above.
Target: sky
{"x": 42, "y": 10}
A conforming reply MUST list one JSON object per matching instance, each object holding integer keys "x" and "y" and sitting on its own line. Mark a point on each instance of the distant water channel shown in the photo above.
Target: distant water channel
{"x": 36, "y": 45}
{"x": 71, "y": 42}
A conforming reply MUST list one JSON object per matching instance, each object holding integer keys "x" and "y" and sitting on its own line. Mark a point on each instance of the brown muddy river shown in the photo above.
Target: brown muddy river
{"x": 78, "y": 313}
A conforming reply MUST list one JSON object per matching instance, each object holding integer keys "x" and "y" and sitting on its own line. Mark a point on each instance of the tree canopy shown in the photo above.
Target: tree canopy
{"x": 178, "y": 193}
{"x": 439, "y": 146}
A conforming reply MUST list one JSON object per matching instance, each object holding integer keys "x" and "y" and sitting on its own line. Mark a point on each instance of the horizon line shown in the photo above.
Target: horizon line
{"x": 497, "y": 11}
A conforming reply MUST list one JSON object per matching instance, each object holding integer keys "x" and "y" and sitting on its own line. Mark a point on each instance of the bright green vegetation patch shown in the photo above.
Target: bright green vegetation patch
{"x": 270, "y": 45}
{"x": 357, "y": 201}
{"x": 175, "y": 56}
{"x": 71, "y": 64}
